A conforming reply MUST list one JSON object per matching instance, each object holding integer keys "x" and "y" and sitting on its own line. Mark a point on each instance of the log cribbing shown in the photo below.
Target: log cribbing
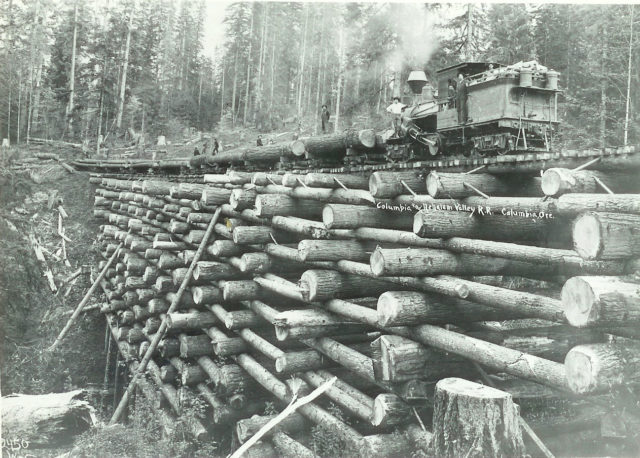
{"x": 334, "y": 250}
{"x": 282, "y": 392}
{"x": 606, "y": 236}
{"x": 247, "y": 427}
{"x": 319, "y": 285}
{"x": 343, "y": 395}
{"x": 340, "y": 216}
{"x": 494, "y": 356}
{"x": 557, "y": 181}
{"x": 472, "y": 224}
{"x": 459, "y": 185}
{"x": 386, "y": 185}
{"x": 158, "y": 336}
{"x": 330, "y": 180}
{"x": 427, "y": 261}
{"x": 289, "y": 447}
{"x": 269, "y": 205}
{"x": 532, "y": 305}
{"x": 574, "y": 204}
{"x": 398, "y": 308}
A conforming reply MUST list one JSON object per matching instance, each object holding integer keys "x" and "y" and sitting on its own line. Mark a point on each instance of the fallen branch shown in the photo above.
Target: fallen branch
{"x": 292, "y": 407}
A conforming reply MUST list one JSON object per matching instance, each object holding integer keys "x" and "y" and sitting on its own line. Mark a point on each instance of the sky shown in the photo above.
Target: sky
{"x": 214, "y": 31}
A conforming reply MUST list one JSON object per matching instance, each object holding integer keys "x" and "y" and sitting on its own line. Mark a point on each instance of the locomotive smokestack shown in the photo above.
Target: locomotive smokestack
{"x": 417, "y": 79}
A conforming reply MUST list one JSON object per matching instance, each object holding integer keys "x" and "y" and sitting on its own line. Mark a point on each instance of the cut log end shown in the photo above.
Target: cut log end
{"x": 281, "y": 364}
{"x": 581, "y": 369}
{"x": 367, "y": 137}
{"x": 374, "y": 185}
{"x": 297, "y": 147}
{"x": 552, "y": 182}
{"x": 327, "y": 216}
{"x": 377, "y": 262}
{"x": 579, "y": 302}
{"x": 467, "y": 388}
{"x": 417, "y": 223}
{"x": 387, "y": 308}
{"x": 587, "y": 236}
{"x": 433, "y": 184}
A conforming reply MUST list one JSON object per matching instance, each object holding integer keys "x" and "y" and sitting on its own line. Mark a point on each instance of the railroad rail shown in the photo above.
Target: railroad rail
{"x": 609, "y": 158}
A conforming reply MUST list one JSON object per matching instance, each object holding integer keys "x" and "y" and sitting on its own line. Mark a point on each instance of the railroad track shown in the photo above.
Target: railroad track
{"x": 609, "y": 158}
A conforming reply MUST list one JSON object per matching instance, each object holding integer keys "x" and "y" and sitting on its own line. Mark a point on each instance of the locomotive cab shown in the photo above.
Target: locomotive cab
{"x": 508, "y": 108}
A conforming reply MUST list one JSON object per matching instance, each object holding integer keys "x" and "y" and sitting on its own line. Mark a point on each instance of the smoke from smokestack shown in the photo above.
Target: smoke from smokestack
{"x": 414, "y": 26}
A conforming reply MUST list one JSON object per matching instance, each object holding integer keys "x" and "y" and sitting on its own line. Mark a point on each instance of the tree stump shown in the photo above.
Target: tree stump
{"x": 474, "y": 420}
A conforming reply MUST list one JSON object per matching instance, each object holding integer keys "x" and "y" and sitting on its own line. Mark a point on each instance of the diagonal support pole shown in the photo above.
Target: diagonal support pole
{"x": 163, "y": 327}
{"x": 476, "y": 190}
{"x": 475, "y": 170}
{"x": 84, "y": 300}
{"x": 602, "y": 185}
{"x": 340, "y": 183}
{"x": 408, "y": 188}
{"x": 586, "y": 164}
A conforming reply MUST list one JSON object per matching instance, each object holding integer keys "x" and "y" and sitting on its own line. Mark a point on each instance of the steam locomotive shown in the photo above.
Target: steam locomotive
{"x": 509, "y": 109}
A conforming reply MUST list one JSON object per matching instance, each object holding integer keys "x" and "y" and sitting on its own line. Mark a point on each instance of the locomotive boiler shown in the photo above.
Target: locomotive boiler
{"x": 508, "y": 109}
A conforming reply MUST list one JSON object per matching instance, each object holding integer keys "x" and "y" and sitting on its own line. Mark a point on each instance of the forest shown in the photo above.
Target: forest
{"x": 79, "y": 70}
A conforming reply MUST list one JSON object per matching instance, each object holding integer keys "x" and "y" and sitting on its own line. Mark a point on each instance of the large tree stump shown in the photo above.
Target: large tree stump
{"x": 473, "y": 420}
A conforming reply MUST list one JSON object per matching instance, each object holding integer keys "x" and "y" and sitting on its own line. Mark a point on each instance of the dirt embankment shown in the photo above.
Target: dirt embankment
{"x": 31, "y": 314}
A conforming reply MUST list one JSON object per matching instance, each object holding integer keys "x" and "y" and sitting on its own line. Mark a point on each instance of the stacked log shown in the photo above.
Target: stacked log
{"x": 311, "y": 277}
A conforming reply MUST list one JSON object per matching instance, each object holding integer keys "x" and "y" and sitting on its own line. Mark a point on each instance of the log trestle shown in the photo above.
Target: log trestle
{"x": 366, "y": 278}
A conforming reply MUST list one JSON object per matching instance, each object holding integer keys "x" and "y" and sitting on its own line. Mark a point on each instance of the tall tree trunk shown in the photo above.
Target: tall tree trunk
{"x": 200, "y": 99}
{"x": 309, "y": 75}
{"x": 72, "y": 74}
{"x": 603, "y": 88}
{"x": 469, "y": 47}
{"x": 19, "y": 105}
{"x": 100, "y": 121}
{"x": 32, "y": 64}
{"x": 273, "y": 68}
{"x": 321, "y": 51}
{"x": 222, "y": 94}
{"x": 629, "y": 68}
{"x": 246, "y": 94}
{"x": 235, "y": 86}
{"x": 340, "y": 79}
{"x": 380, "y": 87}
{"x": 34, "y": 104}
{"x": 323, "y": 91}
{"x": 304, "y": 51}
{"x": 181, "y": 58}
{"x": 125, "y": 65}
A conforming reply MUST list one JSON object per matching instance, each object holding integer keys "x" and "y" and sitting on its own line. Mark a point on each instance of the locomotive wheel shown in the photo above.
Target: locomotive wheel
{"x": 468, "y": 148}
{"x": 478, "y": 152}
